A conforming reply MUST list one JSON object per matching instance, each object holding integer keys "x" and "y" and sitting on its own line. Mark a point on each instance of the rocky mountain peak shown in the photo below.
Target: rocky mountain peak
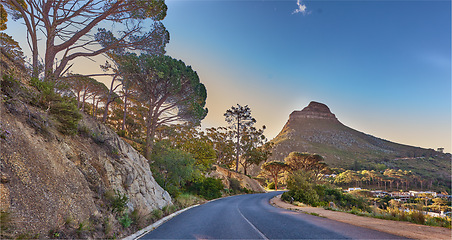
{"x": 314, "y": 110}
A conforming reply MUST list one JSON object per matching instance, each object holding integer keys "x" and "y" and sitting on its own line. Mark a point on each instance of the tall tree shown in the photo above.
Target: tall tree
{"x": 254, "y": 147}
{"x": 170, "y": 89}
{"x": 67, "y": 27}
{"x": 223, "y": 145}
{"x": 239, "y": 118}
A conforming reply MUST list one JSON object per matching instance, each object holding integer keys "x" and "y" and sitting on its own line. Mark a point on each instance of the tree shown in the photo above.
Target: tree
{"x": 67, "y": 27}
{"x": 3, "y": 18}
{"x": 255, "y": 149}
{"x": 172, "y": 167}
{"x": 307, "y": 162}
{"x": 273, "y": 169}
{"x": 239, "y": 118}
{"x": 170, "y": 90}
{"x": 223, "y": 145}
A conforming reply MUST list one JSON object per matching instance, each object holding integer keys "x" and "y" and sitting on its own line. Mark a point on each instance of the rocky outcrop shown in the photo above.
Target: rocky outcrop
{"x": 48, "y": 179}
{"x": 245, "y": 181}
{"x": 314, "y": 110}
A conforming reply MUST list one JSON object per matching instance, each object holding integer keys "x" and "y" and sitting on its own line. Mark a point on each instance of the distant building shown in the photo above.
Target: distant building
{"x": 441, "y": 150}
{"x": 352, "y": 189}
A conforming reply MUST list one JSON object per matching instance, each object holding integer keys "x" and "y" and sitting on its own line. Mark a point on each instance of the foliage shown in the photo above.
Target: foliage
{"x": 190, "y": 139}
{"x": 302, "y": 189}
{"x": 125, "y": 221}
{"x": 172, "y": 168}
{"x": 222, "y": 144}
{"x": 171, "y": 91}
{"x": 185, "y": 200}
{"x": 11, "y": 50}
{"x": 70, "y": 33}
{"x": 271, "y": 185}
{"x": 307, "y": 162}
{"x": 66, "y": 112}
{"x": 3, "y": 18}
{"x": 239, "y": 118}
{"x": 274, "y": 169}
{"x": 254, "y": 147}
{"x": 118, "y": 202}
{"x": 209, "y": 188}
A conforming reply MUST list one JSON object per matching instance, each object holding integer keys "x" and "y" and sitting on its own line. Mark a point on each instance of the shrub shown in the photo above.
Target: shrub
{"x": 209, "y": 188}
{"x": 117, "y": 201}
{"x": 157, "y": 214}
{"x": 66, "y": 112}
{"x": 271, "y": 185}
{"x": 186, "y": 200}
{"x": 125, "y": 221}
{"x": 234, "y": 184}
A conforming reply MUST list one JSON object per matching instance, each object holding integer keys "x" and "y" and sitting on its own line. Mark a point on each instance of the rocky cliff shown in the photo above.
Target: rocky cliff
{"x": 49, "y": 180}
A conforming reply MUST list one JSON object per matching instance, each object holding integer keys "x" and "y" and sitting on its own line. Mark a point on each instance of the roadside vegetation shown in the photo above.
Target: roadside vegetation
{"x": 305, "y": 179}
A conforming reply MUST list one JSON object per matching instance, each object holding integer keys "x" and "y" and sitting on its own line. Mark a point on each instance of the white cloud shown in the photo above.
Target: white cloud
{"x": 301, "y": 8}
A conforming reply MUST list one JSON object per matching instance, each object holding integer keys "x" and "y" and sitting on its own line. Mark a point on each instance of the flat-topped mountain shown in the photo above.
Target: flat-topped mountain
{"x": 314, "y": 110}
{"x": 316, "y": 129}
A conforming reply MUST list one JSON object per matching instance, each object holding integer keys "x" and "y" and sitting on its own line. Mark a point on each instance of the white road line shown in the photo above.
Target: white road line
{"x": 254, "y": 227}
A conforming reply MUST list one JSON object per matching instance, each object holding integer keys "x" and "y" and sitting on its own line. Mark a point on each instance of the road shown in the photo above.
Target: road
{"x": 252, "y": 217}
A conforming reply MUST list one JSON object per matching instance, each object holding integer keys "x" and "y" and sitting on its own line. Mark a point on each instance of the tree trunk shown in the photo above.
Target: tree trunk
{"x": 237, "y": 146}
{"x": 109, "y": 100}
{"x": 124, "y": 115}
{"x": 150, "y": 131}
{"x": 276, "y": 182}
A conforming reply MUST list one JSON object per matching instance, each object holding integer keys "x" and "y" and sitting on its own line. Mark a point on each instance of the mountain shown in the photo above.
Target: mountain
{"x": 315, "y": 129}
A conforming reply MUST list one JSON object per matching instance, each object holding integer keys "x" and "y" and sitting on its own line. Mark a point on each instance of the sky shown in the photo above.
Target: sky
{"x": 383, "y": 67}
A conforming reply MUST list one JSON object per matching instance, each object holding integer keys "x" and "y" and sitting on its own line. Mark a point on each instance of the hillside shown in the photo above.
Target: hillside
{"x": 316, "y": 130}
{"x": 66, "y": 183}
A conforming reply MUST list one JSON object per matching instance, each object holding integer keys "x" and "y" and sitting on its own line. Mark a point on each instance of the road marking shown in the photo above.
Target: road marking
{"x": 254, "y": 227}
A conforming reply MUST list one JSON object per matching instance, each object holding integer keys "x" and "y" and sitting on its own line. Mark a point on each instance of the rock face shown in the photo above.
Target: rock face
{"x": 48, "y": 178}
{"x": 245, "y": 181}
{"x": 314, "y": 110}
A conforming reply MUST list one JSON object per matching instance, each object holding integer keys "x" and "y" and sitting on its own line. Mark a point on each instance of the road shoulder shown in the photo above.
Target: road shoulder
{"x": 404, "y": 229}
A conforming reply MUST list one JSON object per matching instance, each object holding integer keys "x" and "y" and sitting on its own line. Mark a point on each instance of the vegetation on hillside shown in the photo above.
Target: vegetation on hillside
{"x": 305, "y": 178}
{"x": 346, "y": 148}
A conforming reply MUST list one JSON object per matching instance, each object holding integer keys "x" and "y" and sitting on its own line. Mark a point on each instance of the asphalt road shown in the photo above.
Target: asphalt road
{"x": 252, "y": 217}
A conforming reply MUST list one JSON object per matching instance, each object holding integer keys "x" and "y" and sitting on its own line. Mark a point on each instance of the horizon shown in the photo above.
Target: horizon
{"x": 383, "y": 68}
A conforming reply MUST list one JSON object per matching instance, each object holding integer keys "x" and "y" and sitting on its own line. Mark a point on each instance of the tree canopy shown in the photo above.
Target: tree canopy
{"x": 68, "y": 28}
{"x": 171, "y": 91}
{"x": 239, "y": 118}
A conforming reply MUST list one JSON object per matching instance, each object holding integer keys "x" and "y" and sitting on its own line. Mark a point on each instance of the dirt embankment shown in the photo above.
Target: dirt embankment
{"x": 404, "y": 229}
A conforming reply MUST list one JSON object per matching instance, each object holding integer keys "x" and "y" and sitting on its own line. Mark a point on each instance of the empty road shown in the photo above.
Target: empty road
{"x": 252, "y": 217}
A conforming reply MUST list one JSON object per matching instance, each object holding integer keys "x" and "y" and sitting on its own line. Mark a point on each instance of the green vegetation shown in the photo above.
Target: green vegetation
{"x": 305, "y": 187}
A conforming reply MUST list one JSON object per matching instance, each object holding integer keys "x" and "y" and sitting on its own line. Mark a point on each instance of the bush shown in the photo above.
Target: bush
{"x": 64, "y": 109}
{"x": 125, "y": 221}
{"x": 234, "y": 185}
{"x": 271, "y": 185}
{"x": 187, "y": 200}
{"x": 209, "y": 188}
{"x": 301, "y": 189}
{"x": 66, "y": 112}
{"x": 117, "y": 201}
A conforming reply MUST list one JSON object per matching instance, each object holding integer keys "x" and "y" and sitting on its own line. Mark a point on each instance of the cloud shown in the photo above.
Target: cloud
{"x": 301, "y": 8}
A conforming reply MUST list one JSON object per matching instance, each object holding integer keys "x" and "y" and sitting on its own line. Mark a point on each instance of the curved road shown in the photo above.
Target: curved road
{"x": 252, "y": 217}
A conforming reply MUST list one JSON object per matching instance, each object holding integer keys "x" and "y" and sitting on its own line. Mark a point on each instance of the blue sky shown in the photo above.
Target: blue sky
{"x": 383, "y": 67}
